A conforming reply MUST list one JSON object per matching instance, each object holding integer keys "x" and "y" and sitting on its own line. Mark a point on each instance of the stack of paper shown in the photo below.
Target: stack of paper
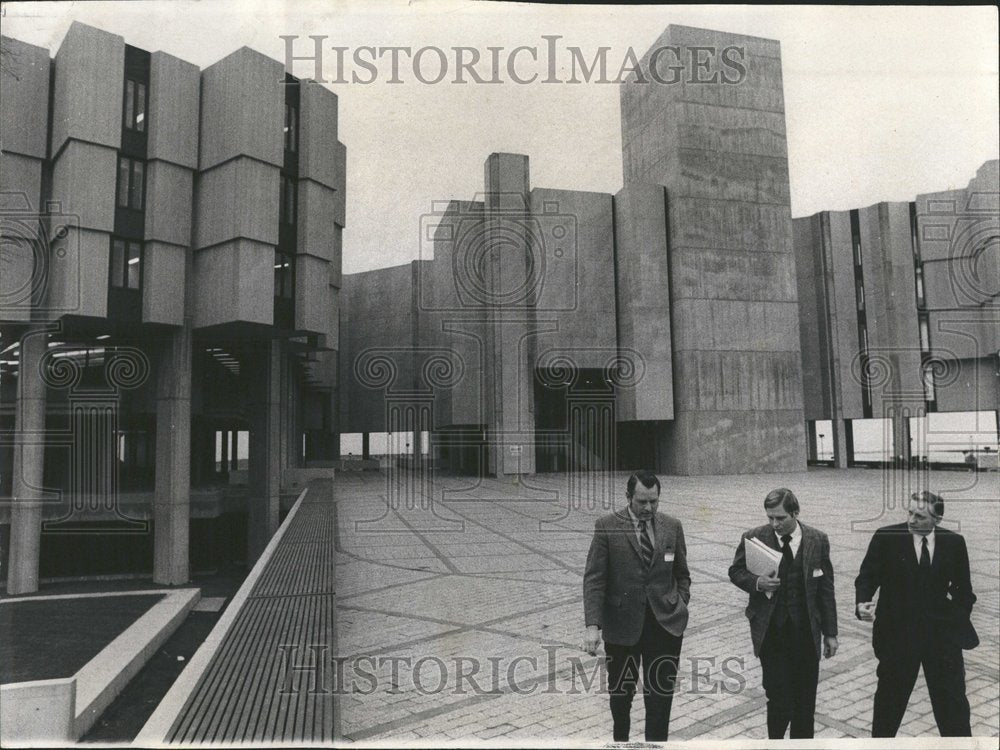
{"x": 761, "y": 559}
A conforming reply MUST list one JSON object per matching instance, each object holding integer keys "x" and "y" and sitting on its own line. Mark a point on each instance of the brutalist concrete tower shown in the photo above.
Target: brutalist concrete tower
{"x": 708, "y": 124}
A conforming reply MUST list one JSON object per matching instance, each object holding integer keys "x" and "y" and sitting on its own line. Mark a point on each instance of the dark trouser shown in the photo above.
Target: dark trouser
{"x": 791, "y": 671}
{"x": 658, "y": 651}
{"x": 944, "y": 670}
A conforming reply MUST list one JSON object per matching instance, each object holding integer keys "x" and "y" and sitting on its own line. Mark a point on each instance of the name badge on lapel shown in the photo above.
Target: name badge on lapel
{"x": 668, "y": 557}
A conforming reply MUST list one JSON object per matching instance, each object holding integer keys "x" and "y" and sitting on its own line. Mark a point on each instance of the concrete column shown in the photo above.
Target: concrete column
{"x": 365, "y": 446}
{"x": 812, "y": 452}
{"x": 263, "y": 499}
{"x": 29, "y": 463}
{"x": 172, "y": 496}
{"x": 841, "y": 451}
{"x": 509, "y": 382}
{"x": 901, "y": 436}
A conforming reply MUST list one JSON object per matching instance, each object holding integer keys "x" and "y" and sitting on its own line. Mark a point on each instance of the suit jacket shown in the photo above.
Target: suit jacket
{"x": 817, "y": 571}
{"x": 891, "y": 567}
{"x": 617, "y": 584}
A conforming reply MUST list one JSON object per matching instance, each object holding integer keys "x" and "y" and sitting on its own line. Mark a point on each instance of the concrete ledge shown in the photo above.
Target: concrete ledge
{"x": 156, "y": 729}
{"x": 38, "y": 712}
{"x": 297, "y": 478}
{"x": 103, "y": 678}
{"x": 65, "y": 709}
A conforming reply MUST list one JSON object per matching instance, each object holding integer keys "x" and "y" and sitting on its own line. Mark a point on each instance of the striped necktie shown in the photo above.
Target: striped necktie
{"x": 645, "y": 544}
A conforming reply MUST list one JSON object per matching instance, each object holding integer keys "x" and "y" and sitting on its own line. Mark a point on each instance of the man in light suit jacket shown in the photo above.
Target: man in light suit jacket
{"x": 922, "y": 618}
{"x": 789, "y": 610}
{"x": 636, "y": 589}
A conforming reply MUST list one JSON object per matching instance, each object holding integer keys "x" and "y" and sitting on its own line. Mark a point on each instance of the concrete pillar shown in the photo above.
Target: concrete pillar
{"x": 841, "y": 451}
{"x": 29, "y": 463}
{"x": 812, "y": 452}
{"x": 509, "y": 382}
{"x": 901, "y": 437}
{"x": 172, "y": 495}
{"x": 263, "y": 499}
{"x": 365, "y": 446}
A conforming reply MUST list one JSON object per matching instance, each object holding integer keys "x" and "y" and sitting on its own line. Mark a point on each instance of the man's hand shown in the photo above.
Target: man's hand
{"x": 866, "y": 611}
{"x": 592, "y": 639}
{"x": 830, "y": 645}
{"x": 770, "y": 582}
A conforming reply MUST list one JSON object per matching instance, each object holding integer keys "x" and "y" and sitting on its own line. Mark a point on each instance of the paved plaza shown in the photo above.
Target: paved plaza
{"x": 460, "y": 613}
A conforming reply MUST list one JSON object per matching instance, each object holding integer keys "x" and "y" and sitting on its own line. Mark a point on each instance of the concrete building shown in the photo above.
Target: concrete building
{"x": 900, "y": 311}
{"x": 169, "y": 304}
{"x": 654, "y": 327}
{"x": 686, "y": 323}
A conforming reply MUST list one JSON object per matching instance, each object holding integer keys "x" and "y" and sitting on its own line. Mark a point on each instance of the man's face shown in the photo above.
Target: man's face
{"x": 644, "y": 501}
{"x": 781, "y": 520}
{"x": 921, "y": 520}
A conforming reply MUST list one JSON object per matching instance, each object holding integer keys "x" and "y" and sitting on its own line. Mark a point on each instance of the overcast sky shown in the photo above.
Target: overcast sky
{"x": 881, "y": 103}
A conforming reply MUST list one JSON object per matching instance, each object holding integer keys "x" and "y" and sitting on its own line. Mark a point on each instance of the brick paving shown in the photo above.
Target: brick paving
{"x": 460, "y": 614}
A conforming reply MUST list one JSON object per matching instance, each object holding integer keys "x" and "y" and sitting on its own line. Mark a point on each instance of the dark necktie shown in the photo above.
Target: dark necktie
{"x": 645, "y": 544}
{"x": 925, "y": 556}
{"x": 786, "y": 556}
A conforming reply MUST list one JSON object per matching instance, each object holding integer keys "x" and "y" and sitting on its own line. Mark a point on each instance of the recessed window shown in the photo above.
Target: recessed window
{"x": 284, "y": 274}
{"x": 919, "y": 278}
{"x": 291, "y": 128}
{"x": 126, "y": 264}
{"x": 131, "y": 182}
{"x": 288, "y": 202}
{"x": 925, "y": 335}
{"x": 135, "y": 105}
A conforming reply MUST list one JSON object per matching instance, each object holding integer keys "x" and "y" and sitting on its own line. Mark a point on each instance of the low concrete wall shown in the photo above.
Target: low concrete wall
{"x": 296, "y": 479}
{"x": 38, "y": 713}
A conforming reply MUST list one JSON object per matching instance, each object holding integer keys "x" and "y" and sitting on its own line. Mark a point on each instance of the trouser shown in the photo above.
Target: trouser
{"x": 944, "y": 670}
{"x": 658, "y": 652}
{"x": 791, "y": 670}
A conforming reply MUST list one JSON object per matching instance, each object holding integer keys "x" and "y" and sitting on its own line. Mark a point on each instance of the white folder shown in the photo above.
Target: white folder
{"x": 761, "y": 559}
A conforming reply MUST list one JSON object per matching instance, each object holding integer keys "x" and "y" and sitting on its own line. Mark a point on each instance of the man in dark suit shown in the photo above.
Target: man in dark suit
{"x": 789, "y": 610}
{"x": 636, "y": 589}
{"x": 922, "y": 617}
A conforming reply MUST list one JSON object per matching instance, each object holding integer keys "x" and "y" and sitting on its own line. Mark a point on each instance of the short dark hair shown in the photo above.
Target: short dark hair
{"x": 933, "y": 503}
{"x": 783, "y": 496}
{"x": 648, "y": 479}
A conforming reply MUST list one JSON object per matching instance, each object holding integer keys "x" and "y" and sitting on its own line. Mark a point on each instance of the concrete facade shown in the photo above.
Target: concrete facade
{"x": 168, "y": 321}
{"x": 899, "y": 309}
{"x": 688, "y": 320}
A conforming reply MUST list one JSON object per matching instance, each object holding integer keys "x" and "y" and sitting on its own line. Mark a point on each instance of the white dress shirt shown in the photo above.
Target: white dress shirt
{"x": 795, "y": 541}
{"x": 930, "y": 544}
{"x": 649, "y": 528}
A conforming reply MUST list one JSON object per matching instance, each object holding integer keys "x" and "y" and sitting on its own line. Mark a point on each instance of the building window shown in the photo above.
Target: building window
{"x": 131, "y": 182}
{"x": 291, "y": 128}
{"x": 925, "y": 335}
{"x": 929, "y": 393}
{"x": 918, "y": 274}
{"x": 284, "y": 274}
{"x": 135, "y": 105}
{"x": 859, "y": 294}
{"x": 126, "y": 263}
{"x": 288, "y": 201}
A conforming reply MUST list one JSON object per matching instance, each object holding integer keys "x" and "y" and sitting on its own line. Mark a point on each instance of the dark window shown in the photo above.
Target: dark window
{"x": 131, "y": 182}
{"x": 126, "y": 264}
{"x": 291, "y": 128}
{"x": 288, "y": 202}
{"x": 284, "y": 274}
{"x": 135, "y": 105}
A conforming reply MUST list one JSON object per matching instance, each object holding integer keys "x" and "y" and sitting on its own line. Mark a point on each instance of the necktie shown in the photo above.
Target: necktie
{"x": 786, "y": 556}
{"x": 925, "y": 556}
{"x": 645, "y": 544}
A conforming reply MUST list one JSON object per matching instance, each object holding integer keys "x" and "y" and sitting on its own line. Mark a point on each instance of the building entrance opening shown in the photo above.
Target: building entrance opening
{"x": 574, "y": 420}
